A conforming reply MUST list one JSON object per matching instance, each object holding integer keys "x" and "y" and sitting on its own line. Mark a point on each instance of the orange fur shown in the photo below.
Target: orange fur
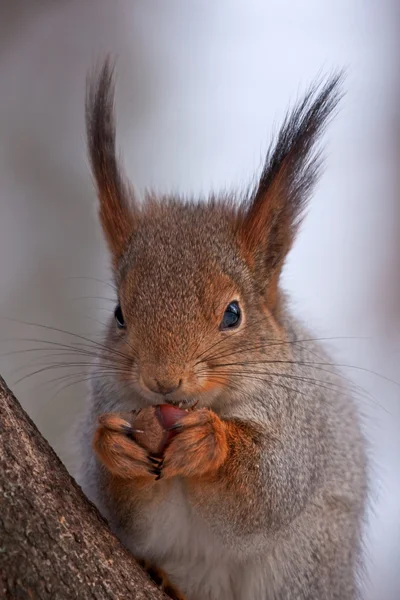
{"x": 122, "y": 456}
{"x": 199, "y": 448}
{"x": 117, "y": 209}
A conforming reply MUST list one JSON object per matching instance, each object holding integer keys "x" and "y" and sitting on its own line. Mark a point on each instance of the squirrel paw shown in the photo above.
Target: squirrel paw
{"x": 199, "y": 446}
{"x": 117, "y": 449}
{"x": 160, "y": 578}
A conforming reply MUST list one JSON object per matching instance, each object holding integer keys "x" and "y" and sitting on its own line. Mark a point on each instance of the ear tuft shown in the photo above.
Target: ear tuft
{"x": 117, "y": 211}
{"x": 271, "y": 216}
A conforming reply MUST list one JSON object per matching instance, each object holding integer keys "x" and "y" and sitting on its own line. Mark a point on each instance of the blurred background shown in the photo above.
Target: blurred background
{"x": 201, "y": 88}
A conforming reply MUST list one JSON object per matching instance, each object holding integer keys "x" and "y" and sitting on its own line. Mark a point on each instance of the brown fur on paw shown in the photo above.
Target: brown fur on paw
{"x": 200, "y": 446}
{"x": 132, "y": 445}
{"x": 119, "y": 452}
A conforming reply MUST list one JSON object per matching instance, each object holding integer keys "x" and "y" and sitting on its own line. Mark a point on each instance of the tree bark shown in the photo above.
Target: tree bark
{"x": 53, "y": 542}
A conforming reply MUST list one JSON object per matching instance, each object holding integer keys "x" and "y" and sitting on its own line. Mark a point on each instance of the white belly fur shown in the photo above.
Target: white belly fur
{"x": 181, "y": 543}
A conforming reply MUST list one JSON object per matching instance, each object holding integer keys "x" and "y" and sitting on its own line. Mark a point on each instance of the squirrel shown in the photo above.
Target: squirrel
{"x": 257, "y": 488}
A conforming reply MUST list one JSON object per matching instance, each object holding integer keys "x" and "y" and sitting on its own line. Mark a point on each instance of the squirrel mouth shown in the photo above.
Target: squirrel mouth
{"x": 184, "y": 404}
{"x": 169, "y": 414}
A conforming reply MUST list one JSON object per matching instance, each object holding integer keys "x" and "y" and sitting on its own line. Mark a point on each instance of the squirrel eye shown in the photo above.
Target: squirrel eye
{"x": 232, "y": 316}
{"x": 119, "y": 317}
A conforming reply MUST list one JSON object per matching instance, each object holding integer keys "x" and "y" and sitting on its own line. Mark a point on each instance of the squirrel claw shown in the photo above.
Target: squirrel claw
{"x": 175, "y": 427}
{"x": 130, "y": 432}
{"x": 157, "y": 465}
{"x": 126, "y": 428}
{"x": 155, "y": 471}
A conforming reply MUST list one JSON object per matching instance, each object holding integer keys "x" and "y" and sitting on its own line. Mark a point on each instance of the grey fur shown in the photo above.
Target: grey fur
{"x": 304, "y": 543}
{"x": 297, "y": 533}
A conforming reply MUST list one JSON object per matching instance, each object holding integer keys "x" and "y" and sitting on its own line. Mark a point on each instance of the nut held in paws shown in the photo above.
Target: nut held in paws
{"x": 149, "y": 432}
{"x": 152, "y": 424}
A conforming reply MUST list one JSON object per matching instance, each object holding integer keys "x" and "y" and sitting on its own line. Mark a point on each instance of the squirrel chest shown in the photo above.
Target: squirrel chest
{"x": 168, "y": 531}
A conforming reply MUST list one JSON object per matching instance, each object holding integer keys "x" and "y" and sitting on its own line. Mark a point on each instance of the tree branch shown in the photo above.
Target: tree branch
{"x": 53, "y": 542}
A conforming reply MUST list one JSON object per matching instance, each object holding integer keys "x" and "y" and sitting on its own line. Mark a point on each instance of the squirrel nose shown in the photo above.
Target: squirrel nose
{"x": 161, "y": 386}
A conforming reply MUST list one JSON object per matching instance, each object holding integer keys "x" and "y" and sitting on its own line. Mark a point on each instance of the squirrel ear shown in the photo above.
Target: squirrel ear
{"x": 117, "y": 211}
{"x": 270, "y": 218}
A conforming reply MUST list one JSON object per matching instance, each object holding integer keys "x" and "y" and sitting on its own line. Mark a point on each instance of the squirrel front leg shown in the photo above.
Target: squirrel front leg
{"x": 128, "y": 461}
{"x": 206, "y": 445}
{"x": 242, "y": 476}
{"x": 222, "y": 463}
{"x": 245, "y": 479}
{"x": 118, "y": 451}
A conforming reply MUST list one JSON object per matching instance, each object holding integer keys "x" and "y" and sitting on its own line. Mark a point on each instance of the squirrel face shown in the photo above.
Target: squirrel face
{"x": 189, "y": 307}
{"x": 198, "y": 319}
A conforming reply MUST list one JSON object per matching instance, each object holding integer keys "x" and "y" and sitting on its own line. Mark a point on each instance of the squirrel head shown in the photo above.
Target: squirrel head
{"x": 198, "y": 313}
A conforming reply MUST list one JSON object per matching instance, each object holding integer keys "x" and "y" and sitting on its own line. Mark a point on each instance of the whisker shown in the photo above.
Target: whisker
{"x": 312, "y": 364}
{"x": 82, "y": 350}
{"x": 79, "y": 380}
{"x": 322, "y": 384}
{"x": 113, "y": 300}
{"x": 298, "y": 391}
{"x": 274, "y": 384}
{"x": 222, "y": 340}
{"x": 65, "y": 332}
{"x": 113, "y": 370}
{"x": 268, "y": 343}
{"x": 98, "y": 280}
